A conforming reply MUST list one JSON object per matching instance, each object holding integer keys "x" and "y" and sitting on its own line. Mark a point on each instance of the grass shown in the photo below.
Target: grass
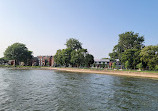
{"x": 145, "y": 71}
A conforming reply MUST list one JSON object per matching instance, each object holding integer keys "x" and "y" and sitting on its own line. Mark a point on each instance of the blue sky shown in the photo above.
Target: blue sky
{"x": 45, "y": 25}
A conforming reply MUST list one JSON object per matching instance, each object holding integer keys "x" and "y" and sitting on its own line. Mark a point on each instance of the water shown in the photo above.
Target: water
{"x": 47, "y": 90}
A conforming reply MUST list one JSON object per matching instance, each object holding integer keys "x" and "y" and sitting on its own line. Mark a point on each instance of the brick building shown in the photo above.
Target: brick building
{"x": 45, "y": 60}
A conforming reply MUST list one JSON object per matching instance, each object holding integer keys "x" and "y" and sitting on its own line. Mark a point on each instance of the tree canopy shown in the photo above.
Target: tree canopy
{"x": 128, "y": 49}
{"x": 73, "y": 44}
{"x": 149, "y": 55}
{"x": 58, "y": 57}
{"x": 73, "y": 55}
{"x": 18, "y": 52}
{"x": 132, "y": 53}
{"x": 132, "y": 56}
{"x": 127, "y": 40}
{"x": 78, "y": 57}
{"x": 89, "y": 59}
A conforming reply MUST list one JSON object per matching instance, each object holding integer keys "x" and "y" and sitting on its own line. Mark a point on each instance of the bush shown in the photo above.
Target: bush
{"x": 114, "y": 65}
{"x": 139, "y": 66}
{"x": 156, "y": 67}
{"x": 127, "y": 65}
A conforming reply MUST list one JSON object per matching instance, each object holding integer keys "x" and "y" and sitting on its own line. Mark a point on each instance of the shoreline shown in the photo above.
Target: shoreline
{"x": 95, "y": 71}
{"x": 108, "y": 72}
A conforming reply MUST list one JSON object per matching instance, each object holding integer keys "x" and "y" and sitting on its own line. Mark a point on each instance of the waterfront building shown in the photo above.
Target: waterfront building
{"x": 45, "y": 60}
{"x": 101, "y": 63}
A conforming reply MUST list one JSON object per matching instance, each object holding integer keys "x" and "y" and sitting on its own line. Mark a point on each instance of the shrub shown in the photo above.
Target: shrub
{"x": 156, "y": 67}
{"x": 139, "y": 66}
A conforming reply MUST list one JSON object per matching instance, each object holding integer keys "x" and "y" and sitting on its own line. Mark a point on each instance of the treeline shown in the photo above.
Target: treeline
{"x": 18, "y": 52}
{"x": 74, "y": 55}
{"x": 133, "y": 54}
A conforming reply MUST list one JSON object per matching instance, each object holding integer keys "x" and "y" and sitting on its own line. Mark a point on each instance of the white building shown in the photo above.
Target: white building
{"x": 101, "y": 61}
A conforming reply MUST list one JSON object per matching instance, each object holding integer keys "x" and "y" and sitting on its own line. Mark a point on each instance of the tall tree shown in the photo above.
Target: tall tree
{"x": 132, "y": 56}
{"x": 149, "y": 55}
{"x": 73, "y": 55}
{"x": 89, "y": 59}
{"x": 78, "y": 57}
{"x": 58, "y": 57}
{"x": 73, "y": 44}
{"x": 66, "y": 56}
{"x": 127, "y": 40}
{"x": 18, "y": 52}
{"x": 63, "y": 57}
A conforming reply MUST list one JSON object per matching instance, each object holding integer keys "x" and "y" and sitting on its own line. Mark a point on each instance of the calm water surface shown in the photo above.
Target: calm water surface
{"x": 47, "y": 90}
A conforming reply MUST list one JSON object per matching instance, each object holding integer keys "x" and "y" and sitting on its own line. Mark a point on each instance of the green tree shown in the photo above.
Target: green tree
{"x": 63, "y": 57}
{"x": 114, "y": 55}
{"x": 114, "y": 65}
{"x": 127, "y": 65}
{"x": 89, "y": 59}
{"x": 156, "y": 67}
{"x": 140, "y": 66}
{"x": 127, "y": 40}
{"x": 18, "y": 52}
{"x": 78, "y": 57}
{"x": 73, "y": 55}
{"x": 73, "y": 44}
{"x": 58, "y": 57}
{"x": 132, "y": 56}
{"x": 66, "y": 56}
{"x": 149, "y": 55}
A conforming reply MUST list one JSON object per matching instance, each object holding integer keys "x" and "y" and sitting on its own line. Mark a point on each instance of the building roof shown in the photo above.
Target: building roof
{"x": 102, "y": 60}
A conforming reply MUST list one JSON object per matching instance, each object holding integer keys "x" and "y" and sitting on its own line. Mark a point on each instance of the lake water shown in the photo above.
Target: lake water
{"x": 48, "y": 90}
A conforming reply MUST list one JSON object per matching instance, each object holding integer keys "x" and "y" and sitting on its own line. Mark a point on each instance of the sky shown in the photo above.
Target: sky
{"x": 45, "y": 25}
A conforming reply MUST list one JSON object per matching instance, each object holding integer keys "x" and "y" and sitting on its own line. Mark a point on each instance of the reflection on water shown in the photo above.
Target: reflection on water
{"x": 42, "y": 90}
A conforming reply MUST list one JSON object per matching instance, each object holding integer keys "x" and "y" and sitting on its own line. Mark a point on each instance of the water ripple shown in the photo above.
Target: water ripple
{"x": 36, "y": 90}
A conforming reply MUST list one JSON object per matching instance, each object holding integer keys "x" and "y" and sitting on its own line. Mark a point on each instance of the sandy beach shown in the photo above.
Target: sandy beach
{"x": 107, "y": 72}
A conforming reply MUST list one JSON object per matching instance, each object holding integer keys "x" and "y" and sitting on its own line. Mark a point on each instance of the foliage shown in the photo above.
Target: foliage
{"x": 66, "y": 56}
{"x": 113, "y": 56}
{"x": 132, "y": 56}
{"x": 78, "y": 57}
{"x": 18, "y": 52}
{"x": 73, "y": 55}
{"x": 140, "y": 66}
{"x": 128, "y": 49}
{"x": 127, "y": 65}
{"x": 156, "y": 67}
{"x": 58, "y": 57}
{"x": 89, "y": 59}
{"x": 127, "y": 40}
{"x": 114, "y": 65}
{"x": 149, "y": 55}
{"x": 73, "y": 44}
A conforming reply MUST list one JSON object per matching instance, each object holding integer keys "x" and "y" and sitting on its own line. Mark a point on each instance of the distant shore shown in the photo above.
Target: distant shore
{"x": 96, "y": 71}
